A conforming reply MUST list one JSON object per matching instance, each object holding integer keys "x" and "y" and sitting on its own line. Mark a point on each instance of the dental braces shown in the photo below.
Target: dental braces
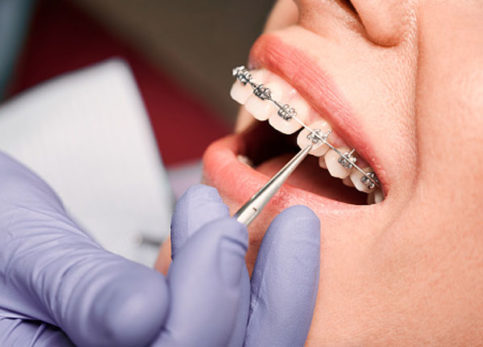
{"x": 286, "y": 112}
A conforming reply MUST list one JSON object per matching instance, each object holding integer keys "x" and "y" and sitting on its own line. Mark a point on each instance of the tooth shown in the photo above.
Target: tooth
{"x": 347, "y": 181}
{"x": 333, "y": 165}
{"x": 290, "y": 126}
{"x": 322, "y": 163}
{"x": 370, "y": 198}
{"x": 356, "y": 176}
{"x": 378, "y": 196}
{"x": 375, "y": 197}
{"x": 245, "y": 160}
{"x": 261, "y": 109}
{"x": 303, "y": 140}
{"x": 240, "y": 92}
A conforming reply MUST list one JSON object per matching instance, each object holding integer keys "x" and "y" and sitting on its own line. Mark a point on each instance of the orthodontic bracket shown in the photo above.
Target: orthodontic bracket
{"x": 242, "y": 74}
{"x": 316, "y": 136}
{"x": 262, "y": 92}
{"x": 369, "y": 183}
{"x": 347, "y": 160}
{"x": 287, "y": 112}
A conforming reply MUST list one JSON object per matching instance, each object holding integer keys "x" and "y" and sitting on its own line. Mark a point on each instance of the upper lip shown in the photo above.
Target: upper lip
{"x": 318, "y": 88}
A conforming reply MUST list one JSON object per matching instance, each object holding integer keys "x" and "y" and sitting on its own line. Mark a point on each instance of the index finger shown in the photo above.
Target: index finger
{"x": 199, "y": 205}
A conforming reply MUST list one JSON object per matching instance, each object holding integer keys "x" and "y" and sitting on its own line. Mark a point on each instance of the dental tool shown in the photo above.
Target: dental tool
{"x": 252, "y": 208}
{"x": 286, "y": 112}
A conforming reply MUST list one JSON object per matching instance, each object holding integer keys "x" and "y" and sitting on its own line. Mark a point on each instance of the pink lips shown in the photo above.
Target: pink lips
{"x": 316, "y": 86}
{"x": 238, "y": 182}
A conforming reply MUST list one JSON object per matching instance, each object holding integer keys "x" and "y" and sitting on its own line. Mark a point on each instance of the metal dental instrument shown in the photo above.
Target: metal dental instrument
{"x": 252, "y": 208}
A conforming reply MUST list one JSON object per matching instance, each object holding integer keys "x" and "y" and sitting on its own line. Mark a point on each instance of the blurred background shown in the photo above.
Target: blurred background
{"x": 181, "y": 53}
{"x": 120, "y": 139}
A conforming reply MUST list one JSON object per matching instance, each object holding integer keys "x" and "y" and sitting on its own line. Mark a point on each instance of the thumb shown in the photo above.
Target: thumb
{"x": 65, "y": 279}
{"x": 51, "y": 271}
{"x": 285, "y": 280}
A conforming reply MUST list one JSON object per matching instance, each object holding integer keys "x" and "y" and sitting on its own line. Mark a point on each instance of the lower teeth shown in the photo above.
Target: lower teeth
{"x": 245, "y": 160}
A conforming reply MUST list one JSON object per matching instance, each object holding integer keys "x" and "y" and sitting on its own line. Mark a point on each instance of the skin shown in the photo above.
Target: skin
{"x": 411, "y": 271}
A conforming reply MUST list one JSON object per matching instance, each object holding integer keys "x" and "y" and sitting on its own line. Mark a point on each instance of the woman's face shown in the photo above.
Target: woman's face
{"x": 402, "y": 83}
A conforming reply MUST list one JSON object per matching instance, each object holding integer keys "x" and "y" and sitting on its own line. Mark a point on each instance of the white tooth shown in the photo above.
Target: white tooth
{"x": 240, "y": 92}
{"x": 356, "y": 176}
{"x": 333, "y": 165}
{"x": 302, "y": 140}
{"x": 261, "y": 109}
{"x": 347, "y": 181}
{"x": 375, "y": 197}
{"x": 378, "y": 196}
{"x": 290, "y": 126}
{"x": 322, "y": 163}
{"x": 370, "y": 198}
{"x": 245, "y": 160}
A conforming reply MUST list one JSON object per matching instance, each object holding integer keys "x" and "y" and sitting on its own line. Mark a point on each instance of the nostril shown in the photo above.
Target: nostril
{"x": 349, "y": 5}
{"x": 384, "y": 21}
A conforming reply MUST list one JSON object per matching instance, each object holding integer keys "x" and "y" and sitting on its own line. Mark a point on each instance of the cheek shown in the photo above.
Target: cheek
{"x": 385, "y": 21}
{"x": 450, "y": 106}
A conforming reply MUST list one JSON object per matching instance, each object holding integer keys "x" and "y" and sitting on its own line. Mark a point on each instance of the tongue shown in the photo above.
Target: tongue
{"x": 311, "y": 177}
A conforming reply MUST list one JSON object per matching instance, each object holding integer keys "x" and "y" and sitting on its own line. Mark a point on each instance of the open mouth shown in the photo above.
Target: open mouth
{"x": 267, "y": 150}
{"x": 334, "y": 170}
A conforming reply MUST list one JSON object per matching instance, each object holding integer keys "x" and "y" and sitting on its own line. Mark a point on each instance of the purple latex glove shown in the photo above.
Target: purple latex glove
{"x": 280, "y": 299}
{"x": 55, "y": 281}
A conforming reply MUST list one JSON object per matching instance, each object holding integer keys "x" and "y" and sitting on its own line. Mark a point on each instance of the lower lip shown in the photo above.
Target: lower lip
{"x": 237, "y": 182}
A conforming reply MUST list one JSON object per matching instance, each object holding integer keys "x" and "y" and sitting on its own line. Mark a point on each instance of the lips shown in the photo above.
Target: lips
{"x": 316, "y": 86}
{"x": 237, "y": 181}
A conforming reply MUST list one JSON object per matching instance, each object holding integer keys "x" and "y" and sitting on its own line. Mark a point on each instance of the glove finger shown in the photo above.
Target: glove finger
{"x": 285, "y": 280}
{"x": 205, "y": 283}
{"x": 16, "y": 332}
{"x": 199, "y": 205}
{"x": 239, "y": 332}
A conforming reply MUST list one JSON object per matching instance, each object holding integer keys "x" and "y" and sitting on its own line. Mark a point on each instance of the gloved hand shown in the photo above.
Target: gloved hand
{"x": 57, "y": 285}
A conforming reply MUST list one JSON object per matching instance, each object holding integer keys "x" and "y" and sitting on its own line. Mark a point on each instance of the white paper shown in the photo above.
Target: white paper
{"x": 88, "y": 135}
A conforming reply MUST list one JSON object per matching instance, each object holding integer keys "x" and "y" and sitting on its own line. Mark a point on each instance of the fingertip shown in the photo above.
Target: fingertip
{"x": 199, "y": 205}
{"x": 199, "y": 195}
{"x": 300, "y": 212}
{"x": 234, "y": 230}
{"x": 294, "y": 237}
{"x": 137, "y": 308}
{"x": 297, "y": 219}
{"x": 207, "y": 192}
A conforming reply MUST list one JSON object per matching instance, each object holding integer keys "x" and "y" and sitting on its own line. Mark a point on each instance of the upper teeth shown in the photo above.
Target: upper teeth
{"x": 348, "y": 160}
{"x": 261, "y": 91}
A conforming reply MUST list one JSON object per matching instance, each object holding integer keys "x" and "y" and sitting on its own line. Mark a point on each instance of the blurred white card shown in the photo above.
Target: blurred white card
{"x": 88, "y": 135}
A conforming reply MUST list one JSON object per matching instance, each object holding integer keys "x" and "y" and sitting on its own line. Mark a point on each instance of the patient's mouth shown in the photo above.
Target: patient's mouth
{"x": 267, "y": 151}
{"x": 334, "y": 170}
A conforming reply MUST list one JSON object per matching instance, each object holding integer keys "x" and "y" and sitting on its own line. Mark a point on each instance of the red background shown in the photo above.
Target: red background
{"x": 62, "y": 38}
